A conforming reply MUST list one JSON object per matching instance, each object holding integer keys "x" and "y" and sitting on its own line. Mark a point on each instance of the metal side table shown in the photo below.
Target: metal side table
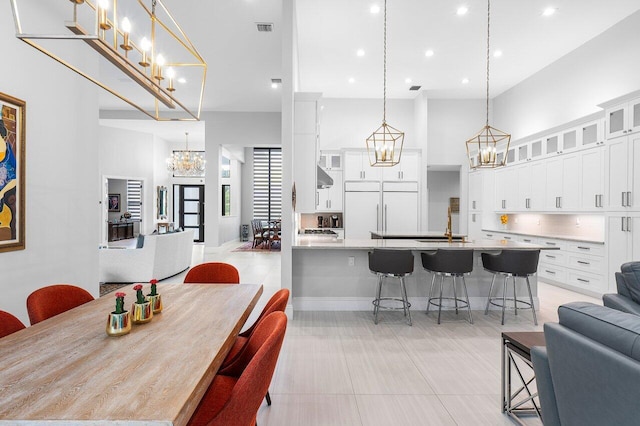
{"x": 521, "y": 399}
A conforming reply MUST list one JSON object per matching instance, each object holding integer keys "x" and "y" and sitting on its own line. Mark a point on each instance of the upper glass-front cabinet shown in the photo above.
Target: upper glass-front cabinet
{"x": 623, "y": 119}
{"x": 330, "y": 160}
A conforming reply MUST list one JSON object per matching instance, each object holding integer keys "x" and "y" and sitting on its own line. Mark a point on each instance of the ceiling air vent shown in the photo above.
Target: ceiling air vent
{"x": 415, "y": 87}
{"x": 264, "y": 27}
{"x": 276, "y": 80}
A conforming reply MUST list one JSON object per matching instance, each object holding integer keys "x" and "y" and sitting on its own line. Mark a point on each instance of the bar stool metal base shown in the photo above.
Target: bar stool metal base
{"x": 403, "y": 299}
{"x": 457, "y": 302}
{"x": 501, "y": 301}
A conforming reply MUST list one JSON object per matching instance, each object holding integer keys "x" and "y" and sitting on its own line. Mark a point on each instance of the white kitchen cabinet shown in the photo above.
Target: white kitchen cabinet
{"x": 536, "y": 151}
{"x": 506, "y": 190}
{"x": 330, "y": 199}
{"x": 407, "y": 170}
{"x": 623, "y": 119}
{"x": 400, "y": 207}
{"x": 330, "y": 160}
{"x": 305, "y": 141}
{"x": 552, "y": 144}
{"x": 362, "y": 210}
{"x": 591, "y": 133}
{"x": 523, "y": 153}
{"x": 357, "y": 167}
{"x": 475, "y": 190}
{"x": 623, "y": 171}
{"x": 563, "y": 181}
{"x": 623, "y": 242}
{"x": 592, "y": 179}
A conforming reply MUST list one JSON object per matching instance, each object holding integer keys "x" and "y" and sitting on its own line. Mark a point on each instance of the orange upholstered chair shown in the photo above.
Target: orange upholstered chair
{"x": 213, "y": 272}
{"x": 235, "y": 400}
{"x": 55, "y": 299}
{"x": 9, "y": 324}
{"x": 277, "y": 303}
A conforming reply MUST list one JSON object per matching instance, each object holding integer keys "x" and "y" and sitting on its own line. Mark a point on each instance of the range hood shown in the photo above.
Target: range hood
{"x": 324, "y": 180}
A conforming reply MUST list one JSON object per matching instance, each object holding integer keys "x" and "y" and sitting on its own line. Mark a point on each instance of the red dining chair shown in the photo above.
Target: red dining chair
{"x": 9, "y": 324}
{"x": 234, "y": 401}
{"x": 277, "y": 303}
{"x": 55, "y": 299}
{"x": 213, "y": 272}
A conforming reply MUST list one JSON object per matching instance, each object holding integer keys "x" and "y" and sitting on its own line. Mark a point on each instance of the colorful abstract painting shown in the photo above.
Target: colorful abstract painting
{"x": 12, "y": 172}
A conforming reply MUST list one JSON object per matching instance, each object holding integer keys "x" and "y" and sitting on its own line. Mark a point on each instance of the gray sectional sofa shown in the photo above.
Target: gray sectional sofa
{"x": 628, "y": 284}
{"x": 589, "y": 372}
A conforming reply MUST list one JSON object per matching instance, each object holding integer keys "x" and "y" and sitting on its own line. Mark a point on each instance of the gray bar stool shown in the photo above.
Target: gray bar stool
{"x": 386, "y": 263}
{"x": 514, "y": 264}
{"x": 448, "y": 263}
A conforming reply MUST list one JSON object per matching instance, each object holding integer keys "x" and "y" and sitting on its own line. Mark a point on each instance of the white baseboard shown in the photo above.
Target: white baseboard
{"x": 364, "y": 304}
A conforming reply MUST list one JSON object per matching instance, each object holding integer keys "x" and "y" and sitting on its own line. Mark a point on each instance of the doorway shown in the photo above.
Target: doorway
{"x": 443, "y": 187}
{"x": 188, "y": 211}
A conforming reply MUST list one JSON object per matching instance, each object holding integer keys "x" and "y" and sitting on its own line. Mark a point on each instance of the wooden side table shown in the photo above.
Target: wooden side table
{"x": 523, "y": 400}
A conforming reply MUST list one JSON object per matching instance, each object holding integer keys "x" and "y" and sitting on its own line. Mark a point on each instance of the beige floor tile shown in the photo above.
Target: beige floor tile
{"x": 405, "y": 410}
{"x": 312, "y": 365}
{"x": 310, "y": 410}
{"x": 479, "y": 410}
{"x": 379, "y": 365}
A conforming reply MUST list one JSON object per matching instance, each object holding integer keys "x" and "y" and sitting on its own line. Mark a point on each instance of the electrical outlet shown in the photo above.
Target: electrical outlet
{"x": 351, "y": 261}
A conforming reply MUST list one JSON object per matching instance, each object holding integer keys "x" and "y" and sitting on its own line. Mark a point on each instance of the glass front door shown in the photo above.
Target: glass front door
{"x": 189, "y": 209}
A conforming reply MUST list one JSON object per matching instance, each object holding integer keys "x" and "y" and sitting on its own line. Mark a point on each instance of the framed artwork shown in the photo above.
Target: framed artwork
{"x": 114, "y": 202}
{"x": 12, "y": 173}
{"x": 226, "y": 200}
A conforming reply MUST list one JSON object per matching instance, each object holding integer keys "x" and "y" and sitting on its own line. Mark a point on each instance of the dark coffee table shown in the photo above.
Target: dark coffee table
{"x": 520, "y": 401}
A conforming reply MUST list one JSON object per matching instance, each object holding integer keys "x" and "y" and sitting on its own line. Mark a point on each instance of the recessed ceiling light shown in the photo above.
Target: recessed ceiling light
{"x": 549, "y": 11}
{"x": 407, "y": 80}
{"x": 352, "y": 80}
{"x": 360, "y": 52}
{"x": 274, "y": 85}
{"x": 462, "y": 10}
{"x": 428, "y": 53}
{"x": 375, "y": 9}
{"x": 182, "y": 80}
{"x": 465, "y": 81}
{"x": 497, "y": 53}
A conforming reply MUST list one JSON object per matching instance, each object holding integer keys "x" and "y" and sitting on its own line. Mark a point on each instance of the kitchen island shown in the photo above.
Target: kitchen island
{"x": 333, "y": 274}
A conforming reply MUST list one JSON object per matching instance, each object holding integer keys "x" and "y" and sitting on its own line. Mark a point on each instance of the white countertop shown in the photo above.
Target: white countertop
{"x": 327, "y": 242}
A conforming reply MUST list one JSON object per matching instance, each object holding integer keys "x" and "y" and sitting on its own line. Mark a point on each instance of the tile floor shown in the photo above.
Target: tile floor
{"x": 338, "y": 368}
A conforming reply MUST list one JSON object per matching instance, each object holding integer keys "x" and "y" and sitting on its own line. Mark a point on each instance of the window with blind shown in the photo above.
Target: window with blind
{"x": 134, "y": 199}
{"x": 267, "y": 183}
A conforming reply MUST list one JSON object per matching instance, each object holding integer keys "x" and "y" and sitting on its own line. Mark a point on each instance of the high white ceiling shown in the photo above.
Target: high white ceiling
{"x": 242, "y": 61}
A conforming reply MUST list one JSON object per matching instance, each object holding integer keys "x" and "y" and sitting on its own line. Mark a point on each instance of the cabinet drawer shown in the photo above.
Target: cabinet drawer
{"x": 588, "y": 281}
{"x": 586, "y": 248}
{"x": 553, "y": 257}
{"x": 554, "y": 273}
{"x": 586, "y": 263}
{"x": 529, "y": 240}
{"x": 553, "y": 243}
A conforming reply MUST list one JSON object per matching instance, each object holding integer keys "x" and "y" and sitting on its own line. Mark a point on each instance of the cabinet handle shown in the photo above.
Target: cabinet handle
{"x": 582, "y": 262}
{"x": 317, "y": 198}
{"x": 629, "y": 224}
{"x": 622, "y": 224}
{"x": 623, "y": 204}
{"x": 473, "y": 203}
{"x": 583, "y": 280}
{"x": 526, "y": 241}
{"x": 504, "y": 204}
{"x": 385, "y": 217}
{"x": 584, "y": 248}
{"x": 549, "y": 256}
{"x": 629, "y": 203}
{"x": 550, "y": 244}
{"x": 489, "y": 235}
{"x": 550, "y": 272}
{"x": 378, "y": 216}
{"x": 596, "y": 202}
{"x": 507, "y": 238}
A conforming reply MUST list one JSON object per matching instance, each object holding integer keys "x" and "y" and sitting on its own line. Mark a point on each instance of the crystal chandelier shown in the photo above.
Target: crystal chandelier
{"x": 385, "y": 144}
{"x": 186, "y": 163}
{"x": 488, "y": 148}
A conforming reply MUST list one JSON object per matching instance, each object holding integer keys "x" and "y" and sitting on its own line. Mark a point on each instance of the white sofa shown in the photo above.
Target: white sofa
{"x": 161, "y": 256}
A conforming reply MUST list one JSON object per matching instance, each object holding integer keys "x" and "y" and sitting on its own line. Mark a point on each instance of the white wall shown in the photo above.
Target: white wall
{"x": 347, "y": 123}
{"x": 62, "y": 190}
{"x": 125, "y": 154}
{"x": 602, "y": 69}
{"x": 238, "y": 129}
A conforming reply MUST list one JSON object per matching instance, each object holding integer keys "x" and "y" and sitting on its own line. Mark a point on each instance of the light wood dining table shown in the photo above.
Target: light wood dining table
{"x": 66, "y": 370}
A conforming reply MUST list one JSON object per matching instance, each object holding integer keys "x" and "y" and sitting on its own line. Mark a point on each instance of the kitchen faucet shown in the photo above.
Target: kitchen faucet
{"x": 448, "y": 233}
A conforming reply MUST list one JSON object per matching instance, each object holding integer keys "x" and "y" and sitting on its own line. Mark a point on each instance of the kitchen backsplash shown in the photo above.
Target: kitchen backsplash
{"x": 590, "y": 227}
{"x": 308, "y": 220}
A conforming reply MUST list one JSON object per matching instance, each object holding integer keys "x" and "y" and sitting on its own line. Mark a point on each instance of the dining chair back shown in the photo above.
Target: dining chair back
{"x": 231, "y": 365}
{"x": 213, "y": 272}
{"x": 9, "y": 324}
{"x": 52, "y": 300}
{"x": 231, "y": 402}
{"x": 258, "y": 232}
